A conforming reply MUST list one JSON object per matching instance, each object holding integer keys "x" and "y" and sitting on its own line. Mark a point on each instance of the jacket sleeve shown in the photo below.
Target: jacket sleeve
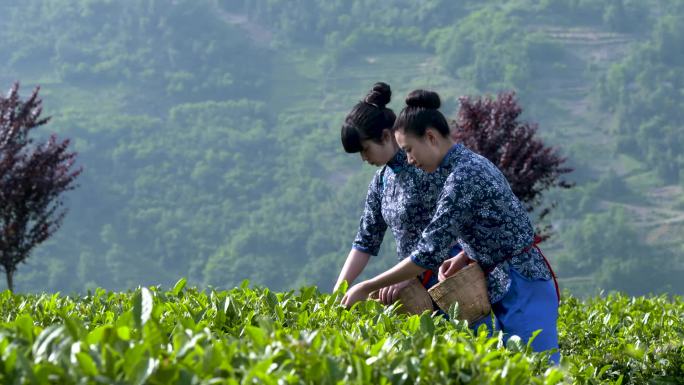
{"x": 453, "y": 208}
{"x": 372, "y": 225}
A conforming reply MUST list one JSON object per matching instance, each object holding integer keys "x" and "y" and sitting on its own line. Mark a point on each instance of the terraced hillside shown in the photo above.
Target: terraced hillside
{"x": 209, "y": 129}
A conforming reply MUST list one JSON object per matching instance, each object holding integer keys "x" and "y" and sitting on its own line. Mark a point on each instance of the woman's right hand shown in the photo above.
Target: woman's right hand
{"x": 452, "y": 265}
{"x": 389, "y": 294}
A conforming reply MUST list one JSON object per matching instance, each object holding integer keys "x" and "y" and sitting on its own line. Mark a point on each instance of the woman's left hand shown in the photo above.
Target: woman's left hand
{"x": 452, "y": 265}
{"x": 356, "y": 293}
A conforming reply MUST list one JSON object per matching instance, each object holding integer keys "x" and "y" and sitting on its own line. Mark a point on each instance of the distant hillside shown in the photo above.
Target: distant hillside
{"x": 208, "y": 130}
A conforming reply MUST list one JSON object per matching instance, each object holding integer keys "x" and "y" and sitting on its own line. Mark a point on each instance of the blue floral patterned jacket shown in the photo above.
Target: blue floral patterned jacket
{"x": 403, "y": 198}
{"x": 478, "y": 209}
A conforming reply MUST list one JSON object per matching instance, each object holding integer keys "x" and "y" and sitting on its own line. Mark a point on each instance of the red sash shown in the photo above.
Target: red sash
{"x": 535, "y": 245}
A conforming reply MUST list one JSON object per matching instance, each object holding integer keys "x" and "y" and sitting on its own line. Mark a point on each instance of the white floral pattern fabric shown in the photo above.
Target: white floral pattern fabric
{"x": 403, "y": 198}
{"x": 478, "y": 209}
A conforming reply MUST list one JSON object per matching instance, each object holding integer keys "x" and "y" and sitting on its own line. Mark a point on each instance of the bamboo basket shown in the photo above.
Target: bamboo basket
{"x": 414, "y": 299}
{"x": 468, "y": 288}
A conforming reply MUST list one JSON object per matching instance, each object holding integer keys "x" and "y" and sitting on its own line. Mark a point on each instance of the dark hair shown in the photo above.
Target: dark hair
{"x": 421, "y": 112}
{"x": 368, "y": 118}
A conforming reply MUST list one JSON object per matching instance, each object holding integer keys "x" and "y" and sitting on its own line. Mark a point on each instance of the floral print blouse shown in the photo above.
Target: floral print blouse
{"x": 478, "y": 209}
{"x": 403, "y": 198}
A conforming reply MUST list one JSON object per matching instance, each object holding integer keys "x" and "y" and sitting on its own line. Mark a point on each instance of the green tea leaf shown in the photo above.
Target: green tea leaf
{"x": 142, "y": 306}
{"x": 178, "y": 287}
{"x": 256, "y": 334}
{"x": 24, "y": 325}
{"x": 124, "y": 333}
{"x": 427, "y": 325}
{"x": 86, "y": 363}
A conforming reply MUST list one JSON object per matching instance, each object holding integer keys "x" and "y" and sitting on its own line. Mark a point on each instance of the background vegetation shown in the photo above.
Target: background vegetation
{"x": 208, "y": 130}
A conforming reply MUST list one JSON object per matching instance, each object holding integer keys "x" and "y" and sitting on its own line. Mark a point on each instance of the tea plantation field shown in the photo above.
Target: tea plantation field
{"x": 255, "y": 336}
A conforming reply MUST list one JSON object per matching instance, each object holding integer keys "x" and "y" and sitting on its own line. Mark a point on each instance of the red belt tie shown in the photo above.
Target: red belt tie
{"x": 535, "y": 245}
{"x": 426, "y": 277}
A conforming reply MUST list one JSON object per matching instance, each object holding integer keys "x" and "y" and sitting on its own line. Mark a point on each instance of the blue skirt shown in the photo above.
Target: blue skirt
{"x": 529, "y": 305}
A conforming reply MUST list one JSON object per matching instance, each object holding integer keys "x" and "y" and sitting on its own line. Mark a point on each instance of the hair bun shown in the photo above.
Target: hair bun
{"x": 424, "y": 99}
{"x": 380, "y": 95}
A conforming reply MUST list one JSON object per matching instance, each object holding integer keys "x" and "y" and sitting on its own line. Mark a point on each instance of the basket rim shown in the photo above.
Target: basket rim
{"x": 460, "y": 273}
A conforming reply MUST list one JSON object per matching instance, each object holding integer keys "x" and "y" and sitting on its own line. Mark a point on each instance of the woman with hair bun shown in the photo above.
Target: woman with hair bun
{"x": 476, "y": 208}
{"x": 400, "y": 196}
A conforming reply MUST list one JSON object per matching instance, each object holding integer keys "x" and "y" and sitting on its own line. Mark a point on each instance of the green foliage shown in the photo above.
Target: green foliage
{"x": 249, "y": 335}
{"x": 617, "y": 15}
{"x": 317, "y": 21}
{"x": 243, "y": 335}
{"x": 169, "y": 50}
{"x": 622, "y": 339}
{"x": 644, "y": 92}
{"x": 478, "y": 53}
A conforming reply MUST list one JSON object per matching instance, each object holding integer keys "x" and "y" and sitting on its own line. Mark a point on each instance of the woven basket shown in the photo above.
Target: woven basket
{"x": 414, "y": 299}
{"x": 468, "y": 288}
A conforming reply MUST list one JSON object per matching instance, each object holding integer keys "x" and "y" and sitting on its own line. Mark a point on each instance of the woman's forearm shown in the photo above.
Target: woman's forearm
{"x": 402, "y": 271}
{"x": 353, "y": 266}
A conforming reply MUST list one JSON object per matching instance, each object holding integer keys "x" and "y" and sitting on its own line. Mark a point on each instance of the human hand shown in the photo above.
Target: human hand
{"x": 356, "y": 293}
{"x": 452, "y": 265}
{"x": 389, "y": 294}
